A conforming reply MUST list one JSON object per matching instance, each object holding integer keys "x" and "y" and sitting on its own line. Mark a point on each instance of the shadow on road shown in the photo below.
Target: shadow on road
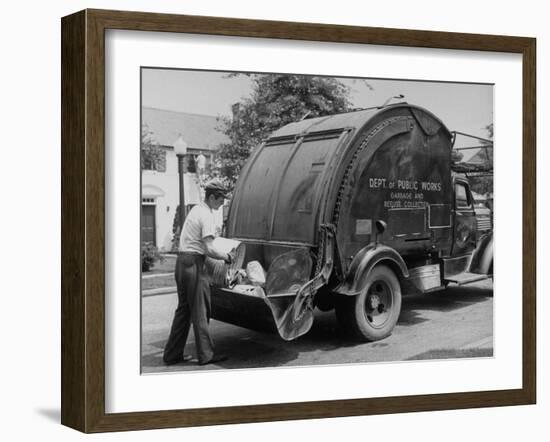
{"x": 446, "y": 353}
{"x": 242, "y": 352}
{"x": 252, "y": 349}
{"x": 453, "y": 298}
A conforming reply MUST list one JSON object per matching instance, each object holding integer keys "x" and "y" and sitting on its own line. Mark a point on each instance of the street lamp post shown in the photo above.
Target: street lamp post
{"x": 180, "y": 147}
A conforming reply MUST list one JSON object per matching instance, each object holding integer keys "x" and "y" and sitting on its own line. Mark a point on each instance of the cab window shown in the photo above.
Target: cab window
{"x": 461, "y": 196}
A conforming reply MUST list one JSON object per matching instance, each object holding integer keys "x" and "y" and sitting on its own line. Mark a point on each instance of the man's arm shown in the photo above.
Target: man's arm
{"x": 213, "y": 252}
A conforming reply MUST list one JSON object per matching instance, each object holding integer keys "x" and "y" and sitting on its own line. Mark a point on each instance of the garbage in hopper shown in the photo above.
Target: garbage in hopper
{"x": 219, "y": 272}
{"x": 234, "y": 275}
{"x": 251, "y": 290}
{"x": 255, "y": 273}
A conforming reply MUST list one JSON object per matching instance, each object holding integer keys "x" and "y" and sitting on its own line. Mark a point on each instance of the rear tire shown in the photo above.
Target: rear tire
{"x": 372, "y": 315}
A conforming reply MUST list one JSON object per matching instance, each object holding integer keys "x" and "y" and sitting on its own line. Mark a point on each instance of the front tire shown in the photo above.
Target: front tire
{"x": 372, "y": 315}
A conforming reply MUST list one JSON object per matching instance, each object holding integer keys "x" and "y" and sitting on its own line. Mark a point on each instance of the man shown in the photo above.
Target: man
{"x": 196, "y": 242}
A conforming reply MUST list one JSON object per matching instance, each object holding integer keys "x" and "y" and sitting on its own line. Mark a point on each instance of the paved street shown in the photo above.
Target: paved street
{"x": 455, "y": 323}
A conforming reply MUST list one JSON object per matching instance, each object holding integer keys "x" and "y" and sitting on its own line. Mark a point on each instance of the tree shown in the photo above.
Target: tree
{"x": 276, "y": 100}
{"x": 489, "y": 129}
{"x": 483, "y": 184}
{"x": 151, "y": 153}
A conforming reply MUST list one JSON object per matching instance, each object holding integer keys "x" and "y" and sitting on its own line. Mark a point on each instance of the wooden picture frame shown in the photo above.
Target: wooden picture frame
{"x": 83, "y": 220}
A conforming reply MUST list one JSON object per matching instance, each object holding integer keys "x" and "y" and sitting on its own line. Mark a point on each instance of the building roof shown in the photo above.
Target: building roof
{"x": 198, "y": 131}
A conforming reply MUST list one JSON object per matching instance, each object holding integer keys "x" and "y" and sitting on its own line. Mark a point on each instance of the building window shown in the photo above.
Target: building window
{"x": 161, "y": 162}
{"x": 462, "y": 197}
{"x": 154, "y": 160}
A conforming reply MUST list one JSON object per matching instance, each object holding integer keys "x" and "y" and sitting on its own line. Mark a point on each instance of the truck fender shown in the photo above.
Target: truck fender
{"x": 482, "y": 258}
{"x": 364, "y": 261}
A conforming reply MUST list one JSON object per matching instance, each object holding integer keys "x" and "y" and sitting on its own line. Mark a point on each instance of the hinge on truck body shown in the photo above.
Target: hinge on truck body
{"x": 323, "y": 269}
{"x": 297, "y": 318}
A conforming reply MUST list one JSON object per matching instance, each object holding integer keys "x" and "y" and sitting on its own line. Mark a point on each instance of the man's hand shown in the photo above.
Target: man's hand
{"x": 230, "y": 257}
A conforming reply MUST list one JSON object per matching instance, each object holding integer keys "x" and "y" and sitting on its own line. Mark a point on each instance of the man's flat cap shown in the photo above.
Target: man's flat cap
{"x": 217, "y": 186}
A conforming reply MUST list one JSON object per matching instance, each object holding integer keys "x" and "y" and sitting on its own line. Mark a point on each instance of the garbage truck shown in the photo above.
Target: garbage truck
{"x": 350, "y": 212}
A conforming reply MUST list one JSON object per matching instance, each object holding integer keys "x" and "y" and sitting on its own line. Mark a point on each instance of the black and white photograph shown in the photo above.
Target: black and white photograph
{"x": 302, "y": 220}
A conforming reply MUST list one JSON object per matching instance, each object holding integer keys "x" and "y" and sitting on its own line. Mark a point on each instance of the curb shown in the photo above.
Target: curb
{"x": 156, "y": 275}
{"x": 159, "y": 291}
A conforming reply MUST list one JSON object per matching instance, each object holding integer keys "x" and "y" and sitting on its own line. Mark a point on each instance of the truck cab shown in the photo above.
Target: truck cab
{"x": 468, "y": 239}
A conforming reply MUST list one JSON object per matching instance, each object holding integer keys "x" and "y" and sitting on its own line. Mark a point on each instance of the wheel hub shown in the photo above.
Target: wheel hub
{"x": 373, "y": 302}
{"x": 378, "y": 304}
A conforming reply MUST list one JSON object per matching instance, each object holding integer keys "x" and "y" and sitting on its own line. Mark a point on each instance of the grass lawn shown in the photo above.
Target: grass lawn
{"x": 166, "y": 266}
{"x": 160, "y": 268}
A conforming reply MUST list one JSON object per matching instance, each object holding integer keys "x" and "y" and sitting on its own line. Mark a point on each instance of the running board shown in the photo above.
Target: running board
{"x": 466, "y": 278}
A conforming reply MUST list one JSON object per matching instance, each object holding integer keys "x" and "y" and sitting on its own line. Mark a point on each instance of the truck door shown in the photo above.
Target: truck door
{"x": 464, "y": 228}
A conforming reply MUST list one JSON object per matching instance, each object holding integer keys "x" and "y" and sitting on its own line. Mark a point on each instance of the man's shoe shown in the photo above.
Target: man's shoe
{"x": 214, "y": 359}
{"x": 183, "y": 358}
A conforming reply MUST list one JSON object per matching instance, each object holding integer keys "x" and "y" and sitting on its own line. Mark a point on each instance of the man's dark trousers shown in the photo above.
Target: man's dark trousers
{"x": 193, "y": 307}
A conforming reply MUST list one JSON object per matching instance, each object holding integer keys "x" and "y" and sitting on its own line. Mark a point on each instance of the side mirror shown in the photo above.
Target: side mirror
{"x": 380, "y": 226}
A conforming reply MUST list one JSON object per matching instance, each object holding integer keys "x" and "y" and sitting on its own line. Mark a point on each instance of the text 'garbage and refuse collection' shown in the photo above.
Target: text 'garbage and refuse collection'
{"x": 404, "y": 193}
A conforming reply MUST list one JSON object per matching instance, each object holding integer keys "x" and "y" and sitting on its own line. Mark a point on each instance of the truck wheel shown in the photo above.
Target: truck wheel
{"x": 372, "y": 315}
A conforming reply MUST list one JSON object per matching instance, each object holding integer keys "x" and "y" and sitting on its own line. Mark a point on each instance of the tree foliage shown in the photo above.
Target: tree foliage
{"x": 484, "y": 184}
{"x": 489, "y": 129}
{"x": 151, "y": 153}
{"x": 276, "y": 100}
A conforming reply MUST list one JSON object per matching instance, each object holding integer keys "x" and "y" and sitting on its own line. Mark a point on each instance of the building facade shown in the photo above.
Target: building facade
{"x": 160, "y": 178}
